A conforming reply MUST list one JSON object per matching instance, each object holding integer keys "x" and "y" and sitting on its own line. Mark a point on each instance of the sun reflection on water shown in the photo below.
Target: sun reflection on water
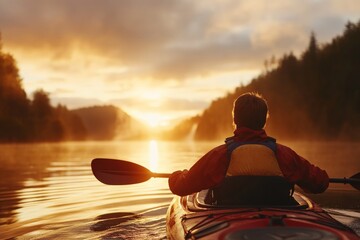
{"x": 153, "y": 155}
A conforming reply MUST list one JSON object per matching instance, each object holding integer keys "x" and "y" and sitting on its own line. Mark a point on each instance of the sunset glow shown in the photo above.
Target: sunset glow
{"x": 153, "y": 120}
{"x": 158, "y": 62}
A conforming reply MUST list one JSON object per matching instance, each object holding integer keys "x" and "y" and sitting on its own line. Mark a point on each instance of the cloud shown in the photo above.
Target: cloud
{"x": 279, "y": 36}
{"x": 119, "y": 28}
{"x": 162, "y": 39}
{"x": 184, "y": 53}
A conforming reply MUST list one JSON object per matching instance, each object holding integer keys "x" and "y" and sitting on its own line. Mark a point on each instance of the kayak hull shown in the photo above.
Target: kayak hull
{"x": 190, "y": 217}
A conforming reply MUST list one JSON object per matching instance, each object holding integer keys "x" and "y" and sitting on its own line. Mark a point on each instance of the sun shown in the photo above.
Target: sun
{"x": 149, "y": 108}
{"x": 154, "y": 120}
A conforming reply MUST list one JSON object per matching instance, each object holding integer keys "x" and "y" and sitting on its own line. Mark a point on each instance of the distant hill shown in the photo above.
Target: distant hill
{"x": 313, "y": 96}
{"x": 109, "y": 123}
{"x": 185, "y": 130}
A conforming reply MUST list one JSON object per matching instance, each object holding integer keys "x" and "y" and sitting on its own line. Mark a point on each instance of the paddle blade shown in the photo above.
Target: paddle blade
{"x": 118, "y": 172}
{"x": 355, "y": 181}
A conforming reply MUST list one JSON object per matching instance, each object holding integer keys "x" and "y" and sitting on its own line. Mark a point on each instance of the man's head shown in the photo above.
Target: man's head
{"x": 251, "y": 111}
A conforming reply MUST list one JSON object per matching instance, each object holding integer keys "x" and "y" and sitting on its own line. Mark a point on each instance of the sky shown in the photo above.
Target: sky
{"x": 159, "y": 60}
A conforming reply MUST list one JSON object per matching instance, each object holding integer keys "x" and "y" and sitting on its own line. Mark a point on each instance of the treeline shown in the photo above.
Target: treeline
{"x": 313, "y": 96}
{"x": 36, "y": 120}
{"x": 23, "y": 119}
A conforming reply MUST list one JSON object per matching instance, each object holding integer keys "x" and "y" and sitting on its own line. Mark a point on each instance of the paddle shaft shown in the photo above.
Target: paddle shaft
{"x": 344, "y": 180}
{"x": 355, "y": 182}
{"x": 331, "y": 180}
{"x": 161, "y": 175}
{"x": 130, "y": 173}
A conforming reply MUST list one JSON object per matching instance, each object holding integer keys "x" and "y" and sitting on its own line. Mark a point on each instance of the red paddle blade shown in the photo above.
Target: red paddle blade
{"x": 118, "y": 172}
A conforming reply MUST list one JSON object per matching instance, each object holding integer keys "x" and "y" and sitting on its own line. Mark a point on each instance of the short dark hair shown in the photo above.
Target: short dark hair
{"x": 250, "y": 110}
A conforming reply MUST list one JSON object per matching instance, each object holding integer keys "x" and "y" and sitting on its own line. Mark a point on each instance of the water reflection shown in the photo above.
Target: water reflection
{"x": 20, "y": 168}
{"x": 349, "y": 218}
{"x": 148, "y": 224}
{"x": 110, "y": 220}
{"x": 48, "y": 191}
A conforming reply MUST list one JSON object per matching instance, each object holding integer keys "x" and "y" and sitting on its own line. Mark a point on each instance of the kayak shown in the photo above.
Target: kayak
{"x": 275, "y": 211}
{"x": 193, "y": 217}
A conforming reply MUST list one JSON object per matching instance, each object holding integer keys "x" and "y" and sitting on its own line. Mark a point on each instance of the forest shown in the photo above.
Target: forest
{"x": 312, "y": 96}
{"x": 22, "y": 119}
{"x": 315, "y": 96}
{"x": 25, "y": 120}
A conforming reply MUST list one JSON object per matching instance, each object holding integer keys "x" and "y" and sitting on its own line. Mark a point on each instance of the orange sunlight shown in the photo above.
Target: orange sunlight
{"x": 153, "y": 120}
{"x": 150, "y": 108}
{"x": 153, "y": 155}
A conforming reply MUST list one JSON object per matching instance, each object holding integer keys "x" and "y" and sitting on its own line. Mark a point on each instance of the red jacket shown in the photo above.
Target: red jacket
{"x": 211, "y": 169}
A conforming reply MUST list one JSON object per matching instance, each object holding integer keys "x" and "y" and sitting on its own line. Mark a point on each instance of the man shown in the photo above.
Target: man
{"x": 249, "y": 152}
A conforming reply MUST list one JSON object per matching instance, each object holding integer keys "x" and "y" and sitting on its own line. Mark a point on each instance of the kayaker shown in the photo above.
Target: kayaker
{"x": 250, "y": 151}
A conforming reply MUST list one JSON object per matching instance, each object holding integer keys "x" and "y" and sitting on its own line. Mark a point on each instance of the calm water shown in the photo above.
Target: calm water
{"x": 47, "y": 191}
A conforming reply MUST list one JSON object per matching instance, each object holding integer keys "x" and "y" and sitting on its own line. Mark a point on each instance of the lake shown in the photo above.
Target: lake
{"x": 47, "y": 191}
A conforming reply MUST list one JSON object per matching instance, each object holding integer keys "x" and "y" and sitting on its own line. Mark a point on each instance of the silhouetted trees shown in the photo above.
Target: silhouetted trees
{"x": 22, "y": 119}
{"x": 14, "y": 104}
{"x": 314, "y": 96}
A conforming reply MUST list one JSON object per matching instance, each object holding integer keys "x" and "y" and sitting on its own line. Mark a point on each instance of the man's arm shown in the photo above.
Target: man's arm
{"x": 207, "y": 172}
{"x": 299, "y": 171}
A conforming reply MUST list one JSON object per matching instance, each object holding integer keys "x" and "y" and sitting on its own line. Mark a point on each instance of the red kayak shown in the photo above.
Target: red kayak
{"x": 242, "y": 207}
{"x": 191, "y": 217}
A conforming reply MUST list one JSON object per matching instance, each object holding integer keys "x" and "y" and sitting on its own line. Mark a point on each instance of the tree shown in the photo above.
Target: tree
{"x": 41, "y": 107}
{"x": 13, "y": 101}
{"x": 310, "y": 53}
{"x": 45, "y": 125}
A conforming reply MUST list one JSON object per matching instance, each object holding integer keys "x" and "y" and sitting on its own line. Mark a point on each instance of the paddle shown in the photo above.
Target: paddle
{"x": 120, "y": 172}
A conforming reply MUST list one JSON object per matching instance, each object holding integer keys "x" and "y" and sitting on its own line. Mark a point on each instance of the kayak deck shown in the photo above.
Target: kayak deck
{"x": 191, "y": 217}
